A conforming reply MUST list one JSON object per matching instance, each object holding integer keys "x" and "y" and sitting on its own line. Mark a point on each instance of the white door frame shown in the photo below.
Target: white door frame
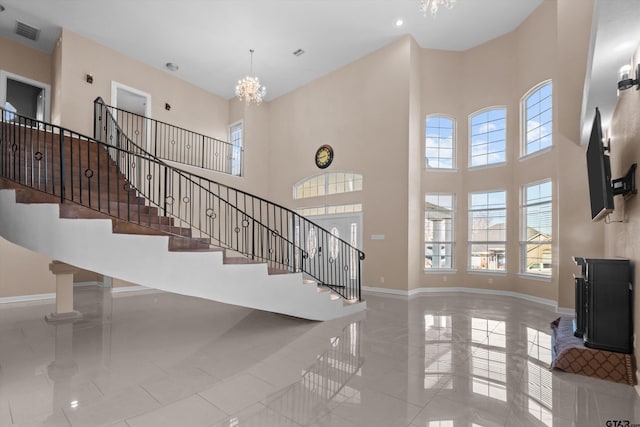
{"x": 4, "y": 75}
{"x": 115, "y": 86}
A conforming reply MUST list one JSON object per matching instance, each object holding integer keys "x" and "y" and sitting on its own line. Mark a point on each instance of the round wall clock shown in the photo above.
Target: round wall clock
{"x": 324, "y": 156}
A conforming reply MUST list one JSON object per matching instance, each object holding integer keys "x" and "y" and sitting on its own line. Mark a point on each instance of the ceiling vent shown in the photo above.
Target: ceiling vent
{"x": 27, "y": 31}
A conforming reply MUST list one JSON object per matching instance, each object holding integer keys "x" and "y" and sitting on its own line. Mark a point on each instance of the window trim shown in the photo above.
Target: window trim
{"x": 523, "y": 230}
{"x": 506, "y": 128}
{"x": 326, "y": 184}
{"x": 471, "y": 242}
{"x": 452, "y": 242}
{"x": 231, "y": 126}
{"x": 523, "y": 120}
{"x": 454, "y": 137}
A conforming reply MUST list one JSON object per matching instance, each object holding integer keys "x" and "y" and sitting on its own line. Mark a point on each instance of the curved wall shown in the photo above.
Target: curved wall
{"x": 500, "y": 73}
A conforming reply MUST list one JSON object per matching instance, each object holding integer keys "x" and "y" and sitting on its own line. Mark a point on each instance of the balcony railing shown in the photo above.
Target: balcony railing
{"x": 176, "y": 144}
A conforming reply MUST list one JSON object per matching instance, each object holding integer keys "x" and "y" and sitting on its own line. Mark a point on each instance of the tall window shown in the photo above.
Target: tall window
{"x": 438, "y": 231}
{"x": 536, "y": 233}
{"x": 537, "y": 111}
{"x": 488, "y": 137}
{"x": 439, "y": 142}
{"x": 487, "y": 230}
{"x": 235, "y": 139}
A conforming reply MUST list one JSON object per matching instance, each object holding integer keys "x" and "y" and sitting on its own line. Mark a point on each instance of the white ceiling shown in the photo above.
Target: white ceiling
{"x": 210, "y": 39}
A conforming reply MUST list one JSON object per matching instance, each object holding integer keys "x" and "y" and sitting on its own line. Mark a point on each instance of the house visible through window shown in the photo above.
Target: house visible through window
{"x": 438, "y": 231}
{"x": 538, "y": 122}
{"x": 536, "y": 233}
{"x": 488, "y": 137}
{"x": 439, "y": 142}
{"x": 235, "y": 139}
{"x": 488, "y": 231}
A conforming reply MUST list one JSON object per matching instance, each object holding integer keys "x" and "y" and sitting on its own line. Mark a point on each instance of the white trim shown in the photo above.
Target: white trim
{"x": 90, "y": 283}
{"x": 27, "y": 298}
{"x": 523, "y": 120}
{"x": 492, "y": 292}
{"x": 134, "y": 288}
{"x": 147, "y": 108}
{"x": 470, "y": 136}
{"x": 52, "y": 296}
{"x": 4, "y": 75}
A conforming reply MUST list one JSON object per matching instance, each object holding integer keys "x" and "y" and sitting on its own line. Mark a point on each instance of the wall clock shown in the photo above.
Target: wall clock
{"x": 324, "y": 156}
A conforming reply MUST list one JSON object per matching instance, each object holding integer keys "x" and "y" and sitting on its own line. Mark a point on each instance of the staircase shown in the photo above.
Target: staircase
{"x": 108, "y": 206}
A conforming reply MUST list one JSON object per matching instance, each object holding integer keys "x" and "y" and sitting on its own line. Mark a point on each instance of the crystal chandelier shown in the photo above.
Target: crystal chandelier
{"x": 249, "y": 88}
{"x": 432, "y": 6}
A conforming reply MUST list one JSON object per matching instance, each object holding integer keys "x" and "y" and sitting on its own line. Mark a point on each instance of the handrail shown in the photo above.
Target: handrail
{"x": 303, "y": 245}
{"x": 177, "y": 144}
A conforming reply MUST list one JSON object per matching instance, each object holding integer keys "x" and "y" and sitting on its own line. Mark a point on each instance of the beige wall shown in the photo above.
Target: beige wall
{"x": 362, "y": 111}
{"x": 25, "y": 61}
{"x": 621, "y": 238}
{"x": 372, "y": 112}
{"x": 23, "y": 272}
{"x": 500, "y": 73}
{"x": 191, "y": 107}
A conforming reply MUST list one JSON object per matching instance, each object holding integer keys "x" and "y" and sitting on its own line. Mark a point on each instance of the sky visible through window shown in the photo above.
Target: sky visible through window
{"x": 488, "y": 137}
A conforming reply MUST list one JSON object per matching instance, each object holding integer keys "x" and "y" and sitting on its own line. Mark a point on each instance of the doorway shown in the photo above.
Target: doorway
{"x": 130, "y": 100}
{"x": 24, "y": 96}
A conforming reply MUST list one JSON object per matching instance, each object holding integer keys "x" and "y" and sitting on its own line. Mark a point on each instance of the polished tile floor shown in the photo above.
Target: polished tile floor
{"x": 158, "y": 359}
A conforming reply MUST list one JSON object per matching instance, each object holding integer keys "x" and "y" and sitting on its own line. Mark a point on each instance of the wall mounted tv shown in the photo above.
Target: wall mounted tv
{"x": 601, "y": 187}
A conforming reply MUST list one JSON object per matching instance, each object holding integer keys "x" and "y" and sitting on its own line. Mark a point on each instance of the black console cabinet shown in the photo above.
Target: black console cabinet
{"x": 603, "y": 304}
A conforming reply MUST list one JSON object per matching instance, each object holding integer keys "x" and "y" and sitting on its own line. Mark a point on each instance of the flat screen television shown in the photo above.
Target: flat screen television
{"x": 599, "y": 171}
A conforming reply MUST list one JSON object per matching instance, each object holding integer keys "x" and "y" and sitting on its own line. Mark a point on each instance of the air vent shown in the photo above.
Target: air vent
{"x": 26, "y": 30}
{"x": 298, "y": 52}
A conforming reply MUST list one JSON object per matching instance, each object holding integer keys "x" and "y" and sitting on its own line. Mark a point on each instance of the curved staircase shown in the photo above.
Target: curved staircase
{"x": 112, "y": 208}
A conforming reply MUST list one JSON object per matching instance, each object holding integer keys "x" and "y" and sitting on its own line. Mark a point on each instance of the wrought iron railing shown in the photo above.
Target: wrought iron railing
{"x": 176, "y": 144}
{"x": 231, "y": 218}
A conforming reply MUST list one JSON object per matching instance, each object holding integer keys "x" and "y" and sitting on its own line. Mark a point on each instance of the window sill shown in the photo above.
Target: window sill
{"x": 492, "y": 165}
{"x": 440, "y": 271}
{"x": 539, "y": 277}
{"x": 536, "y": 154}
{"x": 441, "y": 169}
{"x": 488, "y": 272}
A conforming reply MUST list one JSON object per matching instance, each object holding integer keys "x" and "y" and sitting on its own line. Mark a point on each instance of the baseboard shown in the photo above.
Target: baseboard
{"x": 136, "y": 288}
{"x": 27, "y": 298}
{"x": 92, "y": 283}
{"x": 418, "y": 291}
{"x": 52, "y": 296}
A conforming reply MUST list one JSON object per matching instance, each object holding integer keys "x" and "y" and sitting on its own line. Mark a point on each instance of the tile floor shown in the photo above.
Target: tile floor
{"x": 158, "y": 359}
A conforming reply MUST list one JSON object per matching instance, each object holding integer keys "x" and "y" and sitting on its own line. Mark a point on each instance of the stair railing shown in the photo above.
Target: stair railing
{"x": 231, "y": 218}
{"x": 176, "y": 144}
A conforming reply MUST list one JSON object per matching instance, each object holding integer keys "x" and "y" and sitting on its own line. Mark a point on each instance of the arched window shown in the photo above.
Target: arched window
{"x": 488, "y": 137}
{"x": 439, "y": 142}
{"x": 326, "y": 184}
{"x": 537, "y": 116}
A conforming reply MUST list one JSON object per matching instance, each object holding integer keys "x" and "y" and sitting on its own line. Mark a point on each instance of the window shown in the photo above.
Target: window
{"x": 438, "y": 231}
{"x": 487, "y": 231}
{"x": 488, "y": 137}
{"x": 537, "y": 111}
{"x": 235, "y": 139}
{"x": 536, "y": 233}
{"x": 439, "y": 142}
{"x": 327, "y": 183}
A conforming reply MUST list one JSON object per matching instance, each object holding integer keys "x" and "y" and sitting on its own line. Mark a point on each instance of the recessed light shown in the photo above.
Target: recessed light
{"x": 398, "y": 22}
{"x": 171, "y": 66}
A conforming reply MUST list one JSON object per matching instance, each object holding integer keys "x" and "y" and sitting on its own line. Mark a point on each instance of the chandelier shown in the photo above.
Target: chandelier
{"x": 432, "y": 6}
{"x": 249, "y": 88}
